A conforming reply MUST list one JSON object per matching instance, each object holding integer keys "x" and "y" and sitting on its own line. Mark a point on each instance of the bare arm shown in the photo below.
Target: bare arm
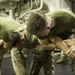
{"x": 63, "y": 46}
{"x": 1, "y": 42}
{"x": 46, "y": 44}
{"x": 59, "y": 43}
{"x": 70, "y": 42}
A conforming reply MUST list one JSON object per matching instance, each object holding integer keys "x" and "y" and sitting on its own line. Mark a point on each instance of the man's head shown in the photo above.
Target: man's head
{"x": 37, "y": 24}
{"x": 20, "y": 20}
{"x": 16, "y": 38}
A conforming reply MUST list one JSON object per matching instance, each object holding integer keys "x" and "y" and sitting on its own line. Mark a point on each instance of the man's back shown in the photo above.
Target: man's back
{"x": 7, "y": 25}
{"x": 64, "y": 21}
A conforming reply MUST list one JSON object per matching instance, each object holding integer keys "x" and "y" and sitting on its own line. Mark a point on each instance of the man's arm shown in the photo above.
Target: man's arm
{"x": 59, "y": 43}
{"x": 47, "y": 44}
{"x": 1, "y": 42}
{"x": 70, "y": 42}
{"x": 62, "y": 45}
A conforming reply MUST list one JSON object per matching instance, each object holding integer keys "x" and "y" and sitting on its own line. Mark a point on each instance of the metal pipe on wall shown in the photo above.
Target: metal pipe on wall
{"x": 41, "y": 5}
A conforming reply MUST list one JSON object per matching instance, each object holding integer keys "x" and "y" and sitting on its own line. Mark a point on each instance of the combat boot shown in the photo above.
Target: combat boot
{"x": 61, "y": 60}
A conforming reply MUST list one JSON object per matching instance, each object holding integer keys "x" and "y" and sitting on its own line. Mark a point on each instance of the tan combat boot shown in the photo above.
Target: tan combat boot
{"x": 61, "y": 60}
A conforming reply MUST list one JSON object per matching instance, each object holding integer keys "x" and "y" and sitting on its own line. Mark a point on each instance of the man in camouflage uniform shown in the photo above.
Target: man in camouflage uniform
{"x": 23, "y": 47}
{"x": 52, "y": 27}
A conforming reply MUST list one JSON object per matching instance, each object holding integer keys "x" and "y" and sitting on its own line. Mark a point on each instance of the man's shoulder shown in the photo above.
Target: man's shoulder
{"x": 20, "y": 29}
{"x": 59, "y": 11}
{"x": 62, "y": 11}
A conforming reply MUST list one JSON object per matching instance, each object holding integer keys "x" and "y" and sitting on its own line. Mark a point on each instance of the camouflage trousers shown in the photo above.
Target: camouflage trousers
{"x": 19, "y": 60}
{"x": 73, "y": 67}
{"x": 41, "y": 58}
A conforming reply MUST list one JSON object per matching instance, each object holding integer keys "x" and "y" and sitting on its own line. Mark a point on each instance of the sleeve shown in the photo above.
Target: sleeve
{"x": 22, "y": 28}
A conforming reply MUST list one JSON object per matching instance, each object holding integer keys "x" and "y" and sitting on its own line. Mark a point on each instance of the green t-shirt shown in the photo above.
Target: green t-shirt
{"x": 64, "y": 21}
{"x": 7, "y": 26}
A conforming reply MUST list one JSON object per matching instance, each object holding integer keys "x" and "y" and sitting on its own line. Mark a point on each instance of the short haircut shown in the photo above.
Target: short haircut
{"x": 20, "y": 19}
{"x": 36, "y": 22}
{"x": 14, "y": 38}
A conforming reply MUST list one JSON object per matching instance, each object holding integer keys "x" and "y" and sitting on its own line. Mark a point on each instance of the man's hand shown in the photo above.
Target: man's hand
{"x": 71, "y": 52}
{"x": 1, "y": 42}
